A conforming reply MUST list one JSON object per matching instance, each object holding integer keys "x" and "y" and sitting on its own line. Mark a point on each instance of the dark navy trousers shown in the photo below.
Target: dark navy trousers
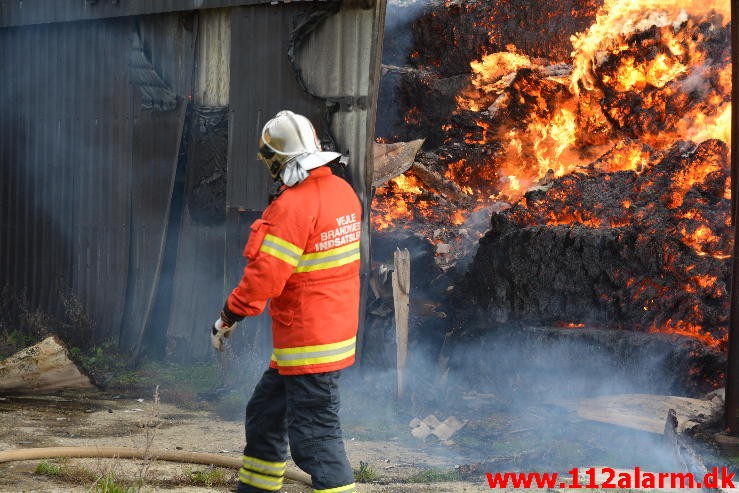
{"x": 301, "y": 411}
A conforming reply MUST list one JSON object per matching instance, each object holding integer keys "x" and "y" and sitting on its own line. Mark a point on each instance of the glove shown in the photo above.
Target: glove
{"x": 219, "y": 332}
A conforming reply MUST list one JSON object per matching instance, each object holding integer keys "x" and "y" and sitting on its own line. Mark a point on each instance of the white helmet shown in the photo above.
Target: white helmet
{"x": 290, "y": 148}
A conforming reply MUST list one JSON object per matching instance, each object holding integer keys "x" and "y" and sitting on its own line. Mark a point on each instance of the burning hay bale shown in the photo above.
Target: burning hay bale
{"x": 646, "y": 251}
{"x": 453, "y": 33}
{"x": 603, "y": 158}
{"x": 516, "y": 112}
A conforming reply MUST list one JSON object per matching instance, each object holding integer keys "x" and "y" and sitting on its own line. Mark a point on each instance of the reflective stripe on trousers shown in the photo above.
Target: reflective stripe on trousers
{"x": 304, "y": 408}
{"x": 262, "y": 474}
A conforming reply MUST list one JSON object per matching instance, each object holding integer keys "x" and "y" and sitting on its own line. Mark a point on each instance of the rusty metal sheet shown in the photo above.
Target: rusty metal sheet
{"x": 391, "y": 160}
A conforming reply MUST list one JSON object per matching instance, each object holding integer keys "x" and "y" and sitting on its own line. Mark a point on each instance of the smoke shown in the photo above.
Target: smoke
{"x": 397, "y": 46}
{"x": 696, "y": 81}
{"x": 517, "y": 388}
{"x": 518, "y": 391}
{"x": 398, "y": 39}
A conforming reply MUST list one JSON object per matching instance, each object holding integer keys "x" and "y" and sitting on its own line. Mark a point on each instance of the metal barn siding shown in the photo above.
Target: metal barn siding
{"x": 64, "y": 134}
{"x": 336, "y": 62}
{"x": 26, "y": 12}
{"x": 197, "y": 279}
{"x": 348, "y": 74}
{"x": 92, "y": 121}
{"x": 262, "y": 83}
{"x": 169, "y": 43}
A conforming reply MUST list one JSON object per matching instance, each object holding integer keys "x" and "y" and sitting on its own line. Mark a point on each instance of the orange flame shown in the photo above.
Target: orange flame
{"x": 619, "y": 17}
{"x": 688, "y": 329}
{"x": 567, "y": 128}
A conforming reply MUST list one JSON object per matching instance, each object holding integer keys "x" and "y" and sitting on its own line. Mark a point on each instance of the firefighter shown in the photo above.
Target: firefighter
{"x": 302, "y": 256}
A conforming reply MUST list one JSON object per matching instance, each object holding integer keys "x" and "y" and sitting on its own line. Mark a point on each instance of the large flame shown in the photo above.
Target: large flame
{"x": 642, "y": 77}
{"x": 619, "y": 18}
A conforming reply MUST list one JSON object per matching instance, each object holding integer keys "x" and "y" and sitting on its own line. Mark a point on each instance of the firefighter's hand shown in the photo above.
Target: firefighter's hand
{"x": 220, "y": 332}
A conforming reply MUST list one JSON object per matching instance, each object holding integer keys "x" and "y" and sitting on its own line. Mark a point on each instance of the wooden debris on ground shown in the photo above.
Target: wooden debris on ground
{"x": 646, "y": 412}
{"x": 682, "y": 448}
{"x": 441, "y": 185}
{"x": 43, "y": 367}
{"x": 431, "y": 425}
{"x": 391, "y": 160}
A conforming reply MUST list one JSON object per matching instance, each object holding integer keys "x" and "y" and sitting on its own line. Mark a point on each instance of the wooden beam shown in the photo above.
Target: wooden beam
{"x": 401, "y": 301}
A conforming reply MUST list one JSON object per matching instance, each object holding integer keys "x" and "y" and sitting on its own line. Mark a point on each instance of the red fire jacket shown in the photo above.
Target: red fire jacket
{"x": 303, "y": 254}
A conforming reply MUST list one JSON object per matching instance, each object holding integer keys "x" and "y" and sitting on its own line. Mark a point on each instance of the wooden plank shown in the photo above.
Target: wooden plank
{"x": 391, "y": 160}
{"x": 645, "y": 412}
{"x": 43, "y": 367}
{"x": 401, "y": 295}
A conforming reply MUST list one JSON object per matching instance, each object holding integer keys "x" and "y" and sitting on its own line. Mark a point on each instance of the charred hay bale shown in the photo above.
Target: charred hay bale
{"x": 547, "y": 275}
{"x": 426, "y": 101}
{"x": 647, "y": 251}
{"x": 389, "y": 123}
{"x": 618, "y": 278}
{"x": 451, "y": 35}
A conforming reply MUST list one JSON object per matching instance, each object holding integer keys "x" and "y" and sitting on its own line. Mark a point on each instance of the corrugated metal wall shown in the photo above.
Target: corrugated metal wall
{"x": 352, "y": 34}
{"x": 87, "y": 174}
{"x": 26, "y": 12}
{"x": 335, "y": 61}
{"x": 169, "y": 41}
{"x": 262, "y": 83}
{"x": 88, "y": 179}
{"x": 65, "y": 125}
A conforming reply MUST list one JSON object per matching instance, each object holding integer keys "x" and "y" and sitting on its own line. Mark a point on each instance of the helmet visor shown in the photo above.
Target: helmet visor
{"x": 270, "y": 158}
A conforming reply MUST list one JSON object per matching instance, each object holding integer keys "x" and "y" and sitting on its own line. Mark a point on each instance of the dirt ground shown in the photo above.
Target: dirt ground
{"x": 96, "y": 419}
{"x": 376, "y": 439}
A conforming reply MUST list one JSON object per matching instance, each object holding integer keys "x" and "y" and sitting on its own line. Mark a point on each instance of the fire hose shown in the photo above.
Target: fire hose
{"x": 132, "y": 453}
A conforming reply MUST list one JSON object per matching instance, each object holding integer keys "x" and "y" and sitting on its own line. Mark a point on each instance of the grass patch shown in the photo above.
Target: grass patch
{"x": 109, "y": 484}
{"x": 365, "y": 473}
{"x": 433, "y": 476}
{"x": 179, "y": 383}
{"x": 210, "y": 477}
{"x": 65, "y": 472}
{"x": 12, "y": 341}
{"x": 45, "y": 468}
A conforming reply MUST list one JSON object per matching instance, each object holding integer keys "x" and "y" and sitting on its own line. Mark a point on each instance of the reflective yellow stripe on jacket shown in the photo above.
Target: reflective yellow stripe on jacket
{"x": 281, "y": 249}
{"x": 336, "y": 257}
{"x": 314, "y": 355}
